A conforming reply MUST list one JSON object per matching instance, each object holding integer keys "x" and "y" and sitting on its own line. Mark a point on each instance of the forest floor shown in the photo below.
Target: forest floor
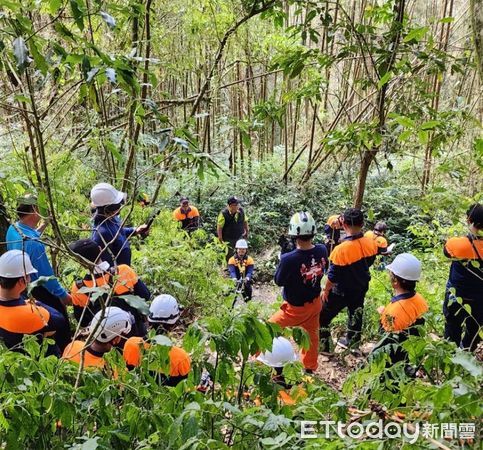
{"x": 332, "y": 369}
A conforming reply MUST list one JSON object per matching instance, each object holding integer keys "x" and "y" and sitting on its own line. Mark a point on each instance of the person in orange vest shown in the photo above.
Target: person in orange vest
{"x": 378, "y": 235}
{"x": 164, "y": 313}
{"x": 348, "y": 280}
{"x": 241, "y": 267}
{"x": 188, "y": 215}
{"x": 18, "y": 315}
{"x": 121, "y": 279}
{"x": 465, "y": 283}
{"x": 108, "y": 328}
{"x": 332, "y": 232}
{"x": 401, "y": 317}
{"x": 281, "y": 354}
{"x": 300, "y": 273}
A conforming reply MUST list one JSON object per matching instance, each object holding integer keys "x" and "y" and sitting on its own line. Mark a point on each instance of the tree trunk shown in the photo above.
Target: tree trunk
{"x": 4, "y": 223}
{"x": 477, "y": 25}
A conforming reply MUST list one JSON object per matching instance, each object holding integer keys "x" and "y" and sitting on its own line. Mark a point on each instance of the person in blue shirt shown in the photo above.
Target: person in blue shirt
{"x": 108, "y": 231}
{"x": 25, "y": 235}
{"x": 18, "y": 315}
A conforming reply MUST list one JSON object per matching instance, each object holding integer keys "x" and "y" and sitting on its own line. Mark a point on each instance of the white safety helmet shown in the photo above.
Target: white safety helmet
{"x": 104, "y": 194}
{"x": 302, "y": 224}
{"x": 241, "y": 243}
{"x": 16, "y": 264}
{"x": 116, "y": 322}
{"x": 282, "y": 353}
{"x": 164, "y": 309}
{"x": 406, "y": 266}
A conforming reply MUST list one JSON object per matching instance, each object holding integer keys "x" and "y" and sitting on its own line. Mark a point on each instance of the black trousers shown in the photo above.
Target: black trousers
{"x": 354, "y": 302}
{"x": 461, "y": 327}
{"x": 247, "y": 290}
{"x": 62, "y": 337}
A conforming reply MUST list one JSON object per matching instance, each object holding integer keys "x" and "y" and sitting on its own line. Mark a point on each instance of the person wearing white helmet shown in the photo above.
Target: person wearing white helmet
{"x": 401, "y": 317}
{"x": 106, "y": 331}
{"x": 108, "y": 231}
{"x": 18, "y": 315}
{"x": 281, "y": 354}
{"x": 26, "y": 235}
{"x": 300, "y": 273}
{"x": 241, "y": 267}
{"x": 164, "y": 314}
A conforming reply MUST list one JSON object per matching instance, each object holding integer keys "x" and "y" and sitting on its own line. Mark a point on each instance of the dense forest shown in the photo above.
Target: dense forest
{"x": 332, "y": 107}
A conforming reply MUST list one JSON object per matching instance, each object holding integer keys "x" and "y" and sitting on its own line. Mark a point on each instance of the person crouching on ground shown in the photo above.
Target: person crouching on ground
{"x": 108, "y": 328}
{"x": 401, "y": 317}
{"x": 164, "y": 314}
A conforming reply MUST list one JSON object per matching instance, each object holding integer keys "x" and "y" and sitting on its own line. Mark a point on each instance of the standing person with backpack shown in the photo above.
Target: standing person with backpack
{"x": 465, "y": 283}
{"x": 232, "y": 225}
{"x": 300, "y": 274}
{"x": 348, "y": 280}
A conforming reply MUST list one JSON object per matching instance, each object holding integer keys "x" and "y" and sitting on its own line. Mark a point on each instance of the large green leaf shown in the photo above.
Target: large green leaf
{"x": 136, "y": 302}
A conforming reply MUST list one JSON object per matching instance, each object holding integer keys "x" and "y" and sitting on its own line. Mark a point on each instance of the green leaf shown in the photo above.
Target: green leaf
{"x": 430, "y": 125}
{"x": 77, "y": 13}
{"x": 416, "y": 34}
{"x": 384, "y": 79}
{"x": 114, "y": 150}
{"x": 446, "y": 20}
{"x": 162, "y": 340}
{"x": 22, "y": 98}
{"x": 40, "y": 61}
{"x": 468, "y": 362}
{"x": 136, "y": 302}
{"x": 404, "y": 121}
{"x": 40, "y": 281}
{"x": 21, "y": 53}
{"x": 423, "y": 136}
{"x": 54, "y": 6}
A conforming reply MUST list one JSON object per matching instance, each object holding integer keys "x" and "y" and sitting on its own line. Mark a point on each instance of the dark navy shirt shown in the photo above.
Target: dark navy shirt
{"x": 19, "y": 318}
{"x": 351, "y": 260}
{"x": 466, "y": 273}
{"x": 107, "y": 229}
{"x": 300, "y": 273}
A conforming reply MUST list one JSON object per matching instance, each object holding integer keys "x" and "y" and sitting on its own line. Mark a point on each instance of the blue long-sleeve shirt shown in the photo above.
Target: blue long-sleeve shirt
{"x": 104, "y": 231}
{"x": 31, "y": 244}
